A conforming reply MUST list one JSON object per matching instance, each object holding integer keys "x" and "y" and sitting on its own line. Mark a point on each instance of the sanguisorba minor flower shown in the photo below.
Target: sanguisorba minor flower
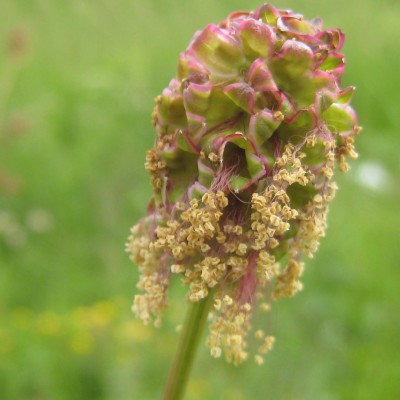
{"x": 248, "y": 136}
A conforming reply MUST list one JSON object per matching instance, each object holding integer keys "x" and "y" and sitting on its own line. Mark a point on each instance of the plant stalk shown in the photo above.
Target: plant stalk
{"x": 184, "y": 357}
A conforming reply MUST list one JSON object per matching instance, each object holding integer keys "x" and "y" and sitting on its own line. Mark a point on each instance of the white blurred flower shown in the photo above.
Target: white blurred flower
{"x": 11, "y": 231}
{"x": 372, "y": 175}
{"x": 39, "y": 221}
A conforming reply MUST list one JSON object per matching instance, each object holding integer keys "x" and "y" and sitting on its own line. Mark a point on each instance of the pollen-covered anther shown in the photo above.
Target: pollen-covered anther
{"x": 279, "y": 116}
{"x": 275, "y": 220}
{"x": 318, "y": 198}
{"x": 327, "y": 172}
{"x": 227, "y": 300}
{"x": 177, "y": 268}
{"x": 180, "y": 206}
{"x": 213, "y": 157}
{"x": 288, "y": 283}
{"x": 259, "y": 334}
{"x": 258, "y": 359}
{"x": 265, "y": 307}
{"x": 216, "y": 352}
{"x": 153, "y": 162}
{"x": 217, "y": 304}
{"x": 220, "y": 237}
{"x": 267, "y": 345}
{"x": 267, "y": 268}
{"x": 222, "y": 199}
{"x": 197, "y": 291}
{"x": 241, "y": 249}
{"x": 153, "y": 302}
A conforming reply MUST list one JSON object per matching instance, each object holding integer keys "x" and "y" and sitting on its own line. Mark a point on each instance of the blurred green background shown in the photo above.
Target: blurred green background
{"x": 77, "y": 82}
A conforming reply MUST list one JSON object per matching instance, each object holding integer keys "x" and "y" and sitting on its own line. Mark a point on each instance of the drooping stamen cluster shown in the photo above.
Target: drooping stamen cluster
{"x": 248, "y": 135}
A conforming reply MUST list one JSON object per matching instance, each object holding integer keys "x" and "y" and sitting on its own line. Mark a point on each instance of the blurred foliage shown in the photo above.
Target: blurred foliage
{"x": 77, "y": 79}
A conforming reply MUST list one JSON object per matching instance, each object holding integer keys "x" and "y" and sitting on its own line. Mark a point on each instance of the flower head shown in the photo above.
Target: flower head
{"x": 248, "y": 135}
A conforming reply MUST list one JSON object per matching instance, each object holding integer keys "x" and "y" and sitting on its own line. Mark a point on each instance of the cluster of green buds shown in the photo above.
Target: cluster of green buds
{"x": 249, "y": 133}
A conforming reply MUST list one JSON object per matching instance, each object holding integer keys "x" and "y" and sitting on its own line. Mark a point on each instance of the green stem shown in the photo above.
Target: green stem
{"x": 191, "y": 333}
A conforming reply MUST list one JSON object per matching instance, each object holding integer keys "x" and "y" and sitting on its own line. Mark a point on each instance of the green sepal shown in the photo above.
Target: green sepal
{"x": 292, "y": 232}
{"x": 185, "y": 144}
{"x": 182, "y": 169}
{"x": 262, "y": 125}
{"x": 206, "y": 173}
{"x": 196, "y": 98}
{"x": 242, "y": 95}
{"x": 197, "y": 191}
{"x": 339, "y": 118}
{"x": 314, "y": 155}
{"x": 268, "y": 14}
{"x": 280, "y": 251}
{"x": 323, "y": 100}
{"x": 238, "y": 183}
{"x": 216, "y": 142}
{"x": 292, "y": 71}
{"x": 257, "y": 38}
{"x": 296, "y": 128}
{"x": 300, "y": 195}
{"x": 171, "y": 111}
{"x": 221, "y": 108}
{"x": 346, "y": 95}
{"x": 188, "y": 66}
{"x": 218, "y": 51}
{"x": 332, "y": 61}
{"x": 254, "y": 164}
{"x": 296, "y": 25}
{"x": 293, "y": 61}
{"x": 267, "y": 150}
{"x": 176, "y": 193}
